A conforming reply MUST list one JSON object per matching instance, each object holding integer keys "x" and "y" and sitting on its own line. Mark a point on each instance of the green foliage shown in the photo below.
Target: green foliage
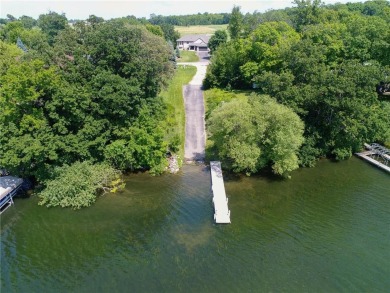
{"x": 220, "y": 37}
{"x": 235, "y": 23}
{"x": 224, "y": 70}
{"x": 77, "y": 186}
{"x": 51, "y": 24}
{"x": 216, "y": 97}
{"x": 326, "y": 73}
{"x": 91, "y": 93}
{"x": 174, "y": 125}
{"x": 307, "y": 12}
{"x": 140, "y": 146}
{"x": 28, "y": 22}
{"x": 155, "y": 29}
{"x": 9, "y": 54}
{"x": 169, "y": 33}
{"x": 248, "y": 134}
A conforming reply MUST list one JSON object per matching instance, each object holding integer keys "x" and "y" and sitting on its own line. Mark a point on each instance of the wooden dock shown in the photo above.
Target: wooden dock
{"x": 366, "y": 156}
{"x": 222, "y": 212}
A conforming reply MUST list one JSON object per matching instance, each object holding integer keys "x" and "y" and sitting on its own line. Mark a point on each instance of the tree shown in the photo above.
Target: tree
{"x": 307, "y": 12}
{"x": 219, "y": 38}
{"x": 266, "y": 46}
{"x": 78, "y": 185}
{"x": 170, "y": 34}
{"x": 9, "y": 54}
{"x": 100, "y": 89}
{"x": 51, "y": 24}
{"x": 248, "y": 134}
{"x": 224, "y": 70}
{"x": 28, "y": 22}
{"x": 235, "y": 23}
{"x": 94, "y": 20}
{"x": 27, "y": 140}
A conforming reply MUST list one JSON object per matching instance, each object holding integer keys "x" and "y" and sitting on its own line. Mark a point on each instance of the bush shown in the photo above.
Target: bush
{"x": 249, "y": 134}
{"x": 78, "y": 185}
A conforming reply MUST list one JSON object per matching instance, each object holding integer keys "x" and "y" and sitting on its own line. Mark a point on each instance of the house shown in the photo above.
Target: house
{"x": 194, "y": 42}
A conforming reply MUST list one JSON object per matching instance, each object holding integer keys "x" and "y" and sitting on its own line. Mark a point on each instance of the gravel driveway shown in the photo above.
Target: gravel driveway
{"x": 195, "y": 139}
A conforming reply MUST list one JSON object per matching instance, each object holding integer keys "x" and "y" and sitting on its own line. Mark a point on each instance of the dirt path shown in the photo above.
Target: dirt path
{"x": 195, "y": 139}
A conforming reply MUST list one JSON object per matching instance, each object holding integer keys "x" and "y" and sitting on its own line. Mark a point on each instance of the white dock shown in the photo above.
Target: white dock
{"x": 365, "y": 156}
{"x": 372, "y": 152}
{"x": 222, "y": 212}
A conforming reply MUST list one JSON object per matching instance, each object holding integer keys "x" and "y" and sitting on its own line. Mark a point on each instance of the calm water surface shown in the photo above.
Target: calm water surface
{"x": 325, "y": 230}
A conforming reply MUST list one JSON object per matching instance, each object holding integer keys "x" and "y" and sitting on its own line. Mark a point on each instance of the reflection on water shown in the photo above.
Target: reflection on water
{"x": 325, "y": 230}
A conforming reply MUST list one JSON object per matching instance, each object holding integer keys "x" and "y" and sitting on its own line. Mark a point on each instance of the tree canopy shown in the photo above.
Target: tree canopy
{"x": 89, "y": 93}
{"x": 251, "y": 133}
{"x": 323, "y": 62}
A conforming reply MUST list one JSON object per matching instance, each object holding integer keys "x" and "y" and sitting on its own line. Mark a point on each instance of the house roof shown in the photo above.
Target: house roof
{"x": 201, "y": 44}
{"x": 193, "y": 38}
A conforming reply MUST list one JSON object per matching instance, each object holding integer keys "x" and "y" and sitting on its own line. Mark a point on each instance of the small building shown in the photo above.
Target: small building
{"x": 194, "y": 43}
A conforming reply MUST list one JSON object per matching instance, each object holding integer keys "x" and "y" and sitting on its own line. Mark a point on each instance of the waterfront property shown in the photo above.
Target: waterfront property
{"x": 9, "y": 186}
{"x": 194, "y": 42}
{"x": 377, "y": 155}
{"x": 222, "y": 212}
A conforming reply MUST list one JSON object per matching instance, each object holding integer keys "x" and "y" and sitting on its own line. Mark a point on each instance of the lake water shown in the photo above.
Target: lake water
{"x": 325, "y": 230}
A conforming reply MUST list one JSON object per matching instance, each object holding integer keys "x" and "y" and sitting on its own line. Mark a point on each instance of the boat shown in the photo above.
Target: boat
{"x": 9, "y": 187}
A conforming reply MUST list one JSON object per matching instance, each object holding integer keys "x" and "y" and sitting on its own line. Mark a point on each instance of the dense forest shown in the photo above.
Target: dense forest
{"x": 82, "y": 93}
{"x": 323, "y": 62}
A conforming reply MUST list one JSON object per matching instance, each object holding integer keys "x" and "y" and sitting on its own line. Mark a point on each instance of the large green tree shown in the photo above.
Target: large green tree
{"x": 250, "y": 133}
{"x": 51, "y": 24}
{"x": 235, "y": 23}
{"x": 96, "y": 88}
{"x": 220, "y": 37}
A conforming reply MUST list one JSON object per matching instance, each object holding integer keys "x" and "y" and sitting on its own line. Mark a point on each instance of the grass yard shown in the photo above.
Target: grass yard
{"x": 173, "y": 97}
{"x": 200, "y": 29}
{"x": 188, "y": 56}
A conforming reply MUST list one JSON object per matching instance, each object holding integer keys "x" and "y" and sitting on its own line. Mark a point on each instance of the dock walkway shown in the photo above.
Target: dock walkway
{"x": 373, "y": 152}
{"x": 222, "y": 212}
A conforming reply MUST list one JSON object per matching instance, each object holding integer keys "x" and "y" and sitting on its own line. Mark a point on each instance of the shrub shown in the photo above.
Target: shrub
{"x": 78, "y": 185}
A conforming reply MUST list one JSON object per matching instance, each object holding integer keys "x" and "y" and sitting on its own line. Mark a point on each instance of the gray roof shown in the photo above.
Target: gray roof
{"x": 193, "y": 38}
{"x": 10, "y": 181}
{"x": 203, "y": 44}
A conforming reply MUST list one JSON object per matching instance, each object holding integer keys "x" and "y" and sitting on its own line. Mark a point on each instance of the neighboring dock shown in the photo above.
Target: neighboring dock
{"x": 222, "y": 212}
{"x": 9, "y": 186}
{"x": 375, "y": 152}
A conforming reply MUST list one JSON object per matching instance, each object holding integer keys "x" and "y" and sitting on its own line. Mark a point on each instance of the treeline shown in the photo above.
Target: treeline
{"x": 322, "y": 62}
{"x": 87, "y": 92}
{"x": 192, "y": 19}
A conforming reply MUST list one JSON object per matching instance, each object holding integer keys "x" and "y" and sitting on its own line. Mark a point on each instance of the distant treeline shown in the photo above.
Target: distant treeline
{"x": 193, "y": 19}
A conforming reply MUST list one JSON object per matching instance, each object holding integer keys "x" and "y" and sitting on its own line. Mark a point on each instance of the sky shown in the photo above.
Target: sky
{"x": 81, "y": 9}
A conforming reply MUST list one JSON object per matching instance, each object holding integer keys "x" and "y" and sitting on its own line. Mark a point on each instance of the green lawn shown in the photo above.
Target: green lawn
{"x": 173, "y": 97}
{"x": 188, "y": 56}
{"x": 200, "y": 29}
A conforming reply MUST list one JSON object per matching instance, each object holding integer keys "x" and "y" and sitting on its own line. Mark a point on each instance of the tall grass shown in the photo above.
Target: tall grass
{"x": 173, "y": 98}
